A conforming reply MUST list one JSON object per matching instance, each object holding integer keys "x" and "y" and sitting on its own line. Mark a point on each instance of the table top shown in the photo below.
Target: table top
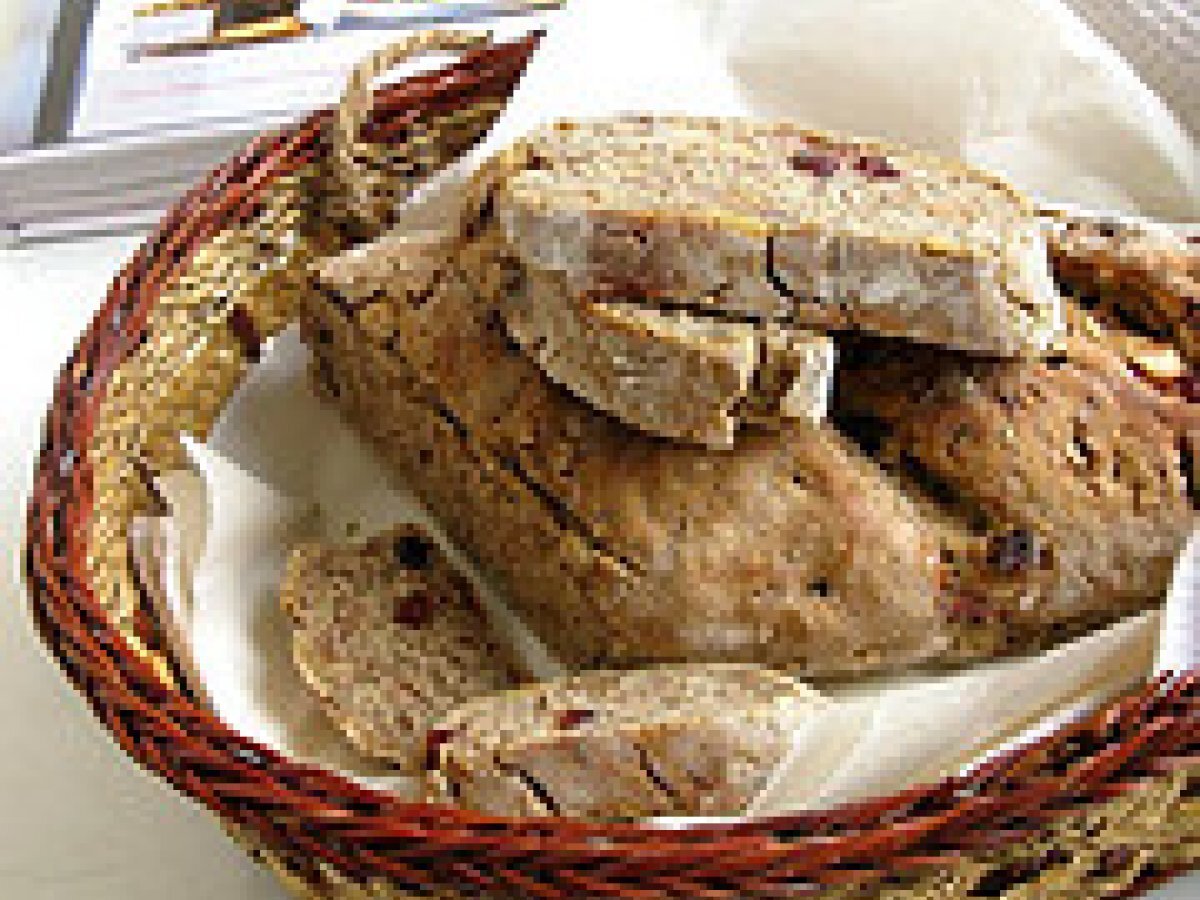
{"x": 79, "y": 820}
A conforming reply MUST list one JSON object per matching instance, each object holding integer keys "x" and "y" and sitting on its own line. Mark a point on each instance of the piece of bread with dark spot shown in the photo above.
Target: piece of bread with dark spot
{"x": 391, "y": 638}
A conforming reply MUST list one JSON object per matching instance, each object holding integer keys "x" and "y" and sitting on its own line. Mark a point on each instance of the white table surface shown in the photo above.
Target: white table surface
{"x": 78, "y": 820}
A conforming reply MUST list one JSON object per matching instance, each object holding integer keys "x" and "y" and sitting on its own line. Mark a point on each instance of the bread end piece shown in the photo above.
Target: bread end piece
{"x": 610, "y": 745}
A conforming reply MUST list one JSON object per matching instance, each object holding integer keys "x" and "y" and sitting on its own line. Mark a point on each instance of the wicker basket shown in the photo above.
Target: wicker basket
{"x": 1106, "y": 807}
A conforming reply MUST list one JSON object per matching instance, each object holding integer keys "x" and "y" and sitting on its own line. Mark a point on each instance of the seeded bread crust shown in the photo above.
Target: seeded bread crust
{"x": 817, "y": 229}
{"x": 391, "y": 638}
{"x": 670, "y": 741}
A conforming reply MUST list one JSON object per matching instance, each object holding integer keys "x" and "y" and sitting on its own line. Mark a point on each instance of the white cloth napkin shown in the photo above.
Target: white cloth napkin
{"x": 1179, "y": 647}
{"x": 911, "y": 734}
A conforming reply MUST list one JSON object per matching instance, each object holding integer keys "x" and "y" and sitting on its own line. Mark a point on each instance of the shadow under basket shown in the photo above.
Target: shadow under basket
{"x": 1105, "y": 807}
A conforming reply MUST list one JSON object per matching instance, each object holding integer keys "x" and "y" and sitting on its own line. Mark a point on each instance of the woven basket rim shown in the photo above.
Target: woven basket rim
{"x": 312, "y": 817}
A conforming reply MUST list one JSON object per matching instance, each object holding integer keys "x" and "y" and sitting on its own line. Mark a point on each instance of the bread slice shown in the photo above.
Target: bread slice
{"x": 670, "y": 741}
{"x": 767, "y": 219}
{"x": 669, "y": 372}
{"x": 391, "y": 638}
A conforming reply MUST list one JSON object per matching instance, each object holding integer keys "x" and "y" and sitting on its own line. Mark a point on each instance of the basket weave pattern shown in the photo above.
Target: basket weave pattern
{"x": 1105, "y": 807}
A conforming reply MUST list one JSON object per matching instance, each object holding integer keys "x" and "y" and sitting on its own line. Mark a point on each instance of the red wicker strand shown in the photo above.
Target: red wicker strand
{"x": 304, "y": 814}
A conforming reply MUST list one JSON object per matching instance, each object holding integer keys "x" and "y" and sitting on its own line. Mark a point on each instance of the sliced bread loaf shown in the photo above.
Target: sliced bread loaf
{"x": 619, "y": 548}
{"x": 858, "y": 543}
{"x": 391, "y": 638}
{"x": 679, "y": 741}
